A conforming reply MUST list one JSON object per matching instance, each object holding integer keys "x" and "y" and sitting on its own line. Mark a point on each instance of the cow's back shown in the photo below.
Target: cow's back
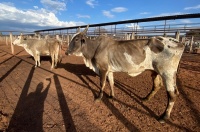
{"x": 43, "y": 46}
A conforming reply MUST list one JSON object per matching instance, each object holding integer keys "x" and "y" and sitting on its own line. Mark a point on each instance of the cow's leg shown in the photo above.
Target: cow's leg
{"x": 111, "y": 82}
{"x": 38, "y": 59}
{"x": 35, "y": 58}
{"x": 59, "y": 58}
{"x": 170, "y": 84}
{"x": 157, "y": 84}
{"x": 52, "y": 63}
{"x": 60, "y": 54}
{"x": 56, "y": 59}
{"x": 103, "y": 75}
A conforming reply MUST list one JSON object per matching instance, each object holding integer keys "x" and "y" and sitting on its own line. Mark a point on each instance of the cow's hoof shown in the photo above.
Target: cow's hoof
{"x": 97, "y": 100}
{"x": 111, "y": 97}
{"x": 145, "y": 100}
{"x": 161, "y": 120}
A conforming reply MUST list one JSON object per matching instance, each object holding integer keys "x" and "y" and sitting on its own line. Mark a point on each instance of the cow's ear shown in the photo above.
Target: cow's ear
{"x": 86, "y": 29}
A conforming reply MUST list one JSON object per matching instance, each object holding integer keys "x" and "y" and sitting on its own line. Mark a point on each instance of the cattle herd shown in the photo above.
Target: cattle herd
{"x": 104, "y": 56}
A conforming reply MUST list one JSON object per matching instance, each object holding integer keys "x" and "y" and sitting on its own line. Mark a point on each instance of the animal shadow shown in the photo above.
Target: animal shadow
{"x": 78, "y": 69}
{"x": 42, "y": 58}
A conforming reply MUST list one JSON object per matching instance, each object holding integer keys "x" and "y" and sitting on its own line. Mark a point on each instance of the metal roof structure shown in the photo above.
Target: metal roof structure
{"x": 160, "y": 18}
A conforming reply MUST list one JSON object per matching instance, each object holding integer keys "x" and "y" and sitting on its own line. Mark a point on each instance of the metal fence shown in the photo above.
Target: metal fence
{"x": 124, "y": 30}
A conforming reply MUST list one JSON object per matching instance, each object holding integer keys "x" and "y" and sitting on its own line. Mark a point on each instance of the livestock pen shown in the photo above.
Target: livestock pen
{"x": 37, "y": 99}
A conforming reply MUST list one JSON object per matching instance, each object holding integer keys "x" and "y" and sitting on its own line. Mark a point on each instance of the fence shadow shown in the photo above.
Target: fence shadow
{"x": 126, "y": 89}
{"x": 194, "y": 111}
{"x": 9, "y": 71}
{"x": 123, "y": 87}
{"x": 190, "y": 67}
{"x": 83, "y": 72}
{"x": 109, "y": 105}
{"x": 68, "y": 121}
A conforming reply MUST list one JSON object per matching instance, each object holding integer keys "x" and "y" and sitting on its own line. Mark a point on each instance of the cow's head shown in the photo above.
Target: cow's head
{"x": 77, "y": 43}
{"x": 19, "y": 40}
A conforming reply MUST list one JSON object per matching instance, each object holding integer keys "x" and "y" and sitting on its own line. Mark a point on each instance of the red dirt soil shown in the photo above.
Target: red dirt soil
{"x": 38, "y": 99}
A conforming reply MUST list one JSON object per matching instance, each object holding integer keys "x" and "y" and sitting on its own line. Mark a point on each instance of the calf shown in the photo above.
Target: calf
{"x": 36, "y": 48}
{"x": 105, "y": 55}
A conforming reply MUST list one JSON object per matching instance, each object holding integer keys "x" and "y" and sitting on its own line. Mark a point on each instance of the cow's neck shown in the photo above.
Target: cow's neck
{"x": 90, "y": 48}
{"x": 89, "y": 52}
{"x": 23, "y": 43}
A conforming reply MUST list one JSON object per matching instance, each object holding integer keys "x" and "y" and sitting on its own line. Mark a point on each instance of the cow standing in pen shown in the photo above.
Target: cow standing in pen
{"x": 105, "y": 55}
{"x": 36, "y": 48}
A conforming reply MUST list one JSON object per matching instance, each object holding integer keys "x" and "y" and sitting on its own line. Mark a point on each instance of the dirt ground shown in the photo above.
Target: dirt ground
{"x": 38, "y": 99}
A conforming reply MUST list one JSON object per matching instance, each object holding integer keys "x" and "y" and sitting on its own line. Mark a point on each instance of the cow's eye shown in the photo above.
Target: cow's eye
{"x": 76, "y": 39}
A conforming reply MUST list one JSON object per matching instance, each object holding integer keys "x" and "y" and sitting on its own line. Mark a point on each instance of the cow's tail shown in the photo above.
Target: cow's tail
{"x": 59, "y": 52}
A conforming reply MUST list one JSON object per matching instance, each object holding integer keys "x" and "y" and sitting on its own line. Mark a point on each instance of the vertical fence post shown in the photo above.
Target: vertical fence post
{"x": 136, "y": 27}
{"x": 57, "y": 37}
{"x": 37, "y": 34}
{"x": 62, "y": 38}
{"x": 191, "y": 44}
{"x": 115, "y": 30}
{"x": 67, "y": 39}
{"x": 11, "y": 40}
{"x": 177, "y": 35}
{"x": 6, "y": 40}
{"x": 165, "y": 29}
{"x": 183, "y": 40}
{"x": 125, "y": 36}
{"x": 133, "y": 35}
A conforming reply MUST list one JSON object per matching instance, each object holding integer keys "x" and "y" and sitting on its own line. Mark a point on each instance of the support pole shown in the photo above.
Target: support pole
{"x": 165, "y": 35}
{"x": 57, "y": 37}
{"x": 191, "y": 44}
{"x": 126, "y": 36}
{"x": 11, "y": 40}
{"x": 133, "y": 35}
{"x": 67, "y": 39}
{"x": 6, "y": 40}
{"x": 177, "y": 35}
{"x": 183, "y": 40}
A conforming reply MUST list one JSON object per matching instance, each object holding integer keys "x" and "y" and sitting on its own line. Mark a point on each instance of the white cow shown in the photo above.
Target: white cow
{"x": 105, "y": 56}
{"x": 36, "y": 48}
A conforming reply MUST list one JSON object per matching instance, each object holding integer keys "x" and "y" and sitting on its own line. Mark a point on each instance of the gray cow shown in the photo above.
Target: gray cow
{"x": 36, "y": 48}
{"x": 105, "y": 55}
